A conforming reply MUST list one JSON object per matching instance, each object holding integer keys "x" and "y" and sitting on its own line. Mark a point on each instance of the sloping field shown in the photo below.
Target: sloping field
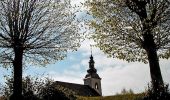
{"x": 115, "y": 97}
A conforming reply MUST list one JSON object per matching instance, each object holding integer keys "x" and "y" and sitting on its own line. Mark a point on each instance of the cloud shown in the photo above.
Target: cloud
{"x": 77, "y": 2}
{"x": 118, "y": 74}
{"x": 67, "y": 76}
{"x": 132, "y": 76}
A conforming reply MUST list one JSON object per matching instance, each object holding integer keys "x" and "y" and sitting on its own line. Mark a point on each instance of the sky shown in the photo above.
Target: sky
{"x": 116, "y": 74}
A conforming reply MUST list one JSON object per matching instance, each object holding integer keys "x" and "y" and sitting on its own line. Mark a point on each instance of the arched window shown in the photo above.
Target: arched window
{"x": 96, "y": 86}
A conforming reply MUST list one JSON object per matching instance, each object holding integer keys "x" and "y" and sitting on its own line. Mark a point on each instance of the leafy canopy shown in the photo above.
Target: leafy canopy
{"x": 119, "y": 31}
{"x": 44, "y": 29}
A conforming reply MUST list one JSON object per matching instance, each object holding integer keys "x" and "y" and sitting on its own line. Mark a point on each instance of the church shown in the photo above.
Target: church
{"x": 91, "y": 86}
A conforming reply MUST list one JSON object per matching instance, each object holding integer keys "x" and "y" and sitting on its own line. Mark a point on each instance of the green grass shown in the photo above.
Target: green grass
{"x": 115, "y": 97}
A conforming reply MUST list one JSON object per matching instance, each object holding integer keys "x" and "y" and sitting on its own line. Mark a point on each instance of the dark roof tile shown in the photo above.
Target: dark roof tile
{"x": 79, "y": 89}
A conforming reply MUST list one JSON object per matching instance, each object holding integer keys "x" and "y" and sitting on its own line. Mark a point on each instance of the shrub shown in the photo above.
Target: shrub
{"x": 160, "y": 94}
{"x": 36, "y": 89}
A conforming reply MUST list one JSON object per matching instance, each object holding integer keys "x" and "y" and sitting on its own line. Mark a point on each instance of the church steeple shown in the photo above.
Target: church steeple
{"x": 92, "y": 79}
{"x": 91, "y": 66}
{"x": 92, "y": 72}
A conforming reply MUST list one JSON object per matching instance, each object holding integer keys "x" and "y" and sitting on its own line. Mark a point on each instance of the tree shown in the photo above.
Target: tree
{"x": 150, "y": 94}
{"x": 133, "y": 30}
{"x": 35, "y": 88}
{"x": 125, "y": 91}
{"x": 35, "y": 32}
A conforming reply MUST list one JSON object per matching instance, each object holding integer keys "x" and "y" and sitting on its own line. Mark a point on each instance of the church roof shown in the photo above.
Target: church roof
{"x": 79, "y": 89}
{"x": 92, "y": 75}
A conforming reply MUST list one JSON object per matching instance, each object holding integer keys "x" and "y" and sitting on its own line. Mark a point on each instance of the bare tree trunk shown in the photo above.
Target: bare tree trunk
{"x": 17, "y": 85}
{"x": 155, "y": 71}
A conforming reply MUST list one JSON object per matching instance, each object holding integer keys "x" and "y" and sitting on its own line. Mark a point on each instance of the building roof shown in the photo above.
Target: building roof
{"x": 79, "y": 89}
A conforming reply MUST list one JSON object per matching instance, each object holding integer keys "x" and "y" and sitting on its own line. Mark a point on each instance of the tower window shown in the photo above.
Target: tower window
{"x": 96, "y": 86}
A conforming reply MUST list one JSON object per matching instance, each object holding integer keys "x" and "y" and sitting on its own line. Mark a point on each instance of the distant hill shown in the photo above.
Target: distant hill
{"x": 115, "y": 97}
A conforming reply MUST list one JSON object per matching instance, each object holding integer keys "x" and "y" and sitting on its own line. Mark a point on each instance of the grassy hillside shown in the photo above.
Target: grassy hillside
{"x": 115, "y": 97}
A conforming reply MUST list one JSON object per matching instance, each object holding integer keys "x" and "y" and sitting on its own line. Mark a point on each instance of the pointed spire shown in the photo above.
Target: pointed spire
{"x": 92, "y": 72}
{"x": 91, "y": 49}
{"x": 91, "y": 62}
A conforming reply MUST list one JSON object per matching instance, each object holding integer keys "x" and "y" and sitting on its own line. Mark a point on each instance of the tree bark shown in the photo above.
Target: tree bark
{"x": 17, "y": 64}
{"x": 156, "y": 76}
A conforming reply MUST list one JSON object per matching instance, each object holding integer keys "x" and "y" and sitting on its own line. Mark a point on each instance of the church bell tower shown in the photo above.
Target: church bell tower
{"x": 92, "y": 78}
